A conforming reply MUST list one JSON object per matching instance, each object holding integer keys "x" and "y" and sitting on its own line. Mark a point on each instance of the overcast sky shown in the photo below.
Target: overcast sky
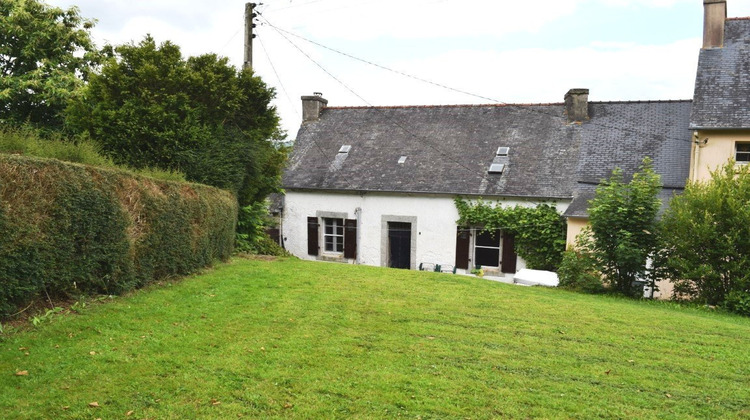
{"x": 520, "y": 51}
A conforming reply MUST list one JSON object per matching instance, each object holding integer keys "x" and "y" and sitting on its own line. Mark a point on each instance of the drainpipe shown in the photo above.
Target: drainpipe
{"x": 358, "y": 215}
{"x": 697, "y": 154}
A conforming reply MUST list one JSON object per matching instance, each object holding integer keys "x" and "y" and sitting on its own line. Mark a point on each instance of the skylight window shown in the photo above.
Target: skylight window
{"x": 496, "y": 168}
{"x": 345, "y": 148}
{"x": 502, "y": 151}
{"x": 402, "y": 159}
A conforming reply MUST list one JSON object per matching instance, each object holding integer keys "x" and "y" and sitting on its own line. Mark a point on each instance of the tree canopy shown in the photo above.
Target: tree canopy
{"x": 150, "y": 107}
{"x": 45, "y": 55}
{"x": 706, "y": 237}
{"x": 623, "y": 228}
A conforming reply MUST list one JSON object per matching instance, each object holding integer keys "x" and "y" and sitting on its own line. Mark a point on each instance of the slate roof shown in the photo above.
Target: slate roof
{"x": 620, "y": 135}
{"x": 450, "y": 148}
{"x": 722, "y": 88}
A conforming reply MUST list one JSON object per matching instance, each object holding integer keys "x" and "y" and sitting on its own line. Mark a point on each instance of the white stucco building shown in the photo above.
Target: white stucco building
{"x": 376, "y": 185}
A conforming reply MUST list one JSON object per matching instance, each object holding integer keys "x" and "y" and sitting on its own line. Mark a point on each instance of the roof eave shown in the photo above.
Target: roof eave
{"x": 708, "y": 128}
{"x": 449, "y": 193}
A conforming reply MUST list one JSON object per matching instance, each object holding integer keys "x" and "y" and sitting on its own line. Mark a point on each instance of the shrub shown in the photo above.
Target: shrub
{"x": 738, "y": 302}
{"x": 706, "y": 236}
{"x": 29, "y": 141}
{"x": 68, "y": 229}
{"x": 577, "y": 273}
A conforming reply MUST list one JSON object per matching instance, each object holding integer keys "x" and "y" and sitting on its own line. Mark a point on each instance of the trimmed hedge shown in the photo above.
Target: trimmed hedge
{"x": 68, "y": 229}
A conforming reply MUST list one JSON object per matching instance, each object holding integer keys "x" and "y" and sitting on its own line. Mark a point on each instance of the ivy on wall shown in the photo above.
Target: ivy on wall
{"x": 539, "y": 231}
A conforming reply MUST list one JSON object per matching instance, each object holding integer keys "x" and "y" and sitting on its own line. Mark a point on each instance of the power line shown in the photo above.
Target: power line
{"x": 464, "y": 92}
{"x": 396, "y": 122}
{"x": 286, "y": 93}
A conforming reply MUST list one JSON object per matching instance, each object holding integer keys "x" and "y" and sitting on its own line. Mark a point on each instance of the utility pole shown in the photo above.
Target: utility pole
{"x": 249, "y": 35}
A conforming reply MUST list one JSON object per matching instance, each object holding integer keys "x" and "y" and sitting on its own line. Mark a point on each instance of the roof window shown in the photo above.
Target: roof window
{"x": 402, "y": 159}
{"x": 502, "y": 151}
{"x": 345, "y": 148}
{"x": 496, "y": 168}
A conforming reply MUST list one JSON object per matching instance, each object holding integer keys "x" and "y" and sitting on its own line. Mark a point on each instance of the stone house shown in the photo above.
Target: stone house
{"x": 376, "y": 185}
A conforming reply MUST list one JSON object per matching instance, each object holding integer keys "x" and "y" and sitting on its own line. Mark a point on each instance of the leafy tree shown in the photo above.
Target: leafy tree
{"x": 150, "y": 107}
{"x": 45, "y": 55}
{"x": 622, "y": 235}
{"x": 706, "y": 238}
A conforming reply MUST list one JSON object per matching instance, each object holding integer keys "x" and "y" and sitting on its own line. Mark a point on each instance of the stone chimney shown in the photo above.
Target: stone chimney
{"x": 577, "y": 105}
{"x": 312, "y": 106}
{"x": 714, "y": 16}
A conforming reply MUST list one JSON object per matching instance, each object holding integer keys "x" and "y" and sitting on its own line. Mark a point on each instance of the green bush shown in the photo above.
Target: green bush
{"x": 577, "y": 273}
{"x": 29, "y": 141}
{"x": 738, "y": 302}
{"x": 69, "y": 229}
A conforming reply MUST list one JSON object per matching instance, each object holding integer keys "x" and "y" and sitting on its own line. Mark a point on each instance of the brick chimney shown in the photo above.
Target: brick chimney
{"x": 714, "y": 16}
{"x": 577, "y": 105}
{"x": 312, "y": 106}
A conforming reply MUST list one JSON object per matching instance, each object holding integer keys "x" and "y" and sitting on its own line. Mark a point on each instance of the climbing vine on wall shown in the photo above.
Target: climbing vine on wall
{"x": 539, "y": 231}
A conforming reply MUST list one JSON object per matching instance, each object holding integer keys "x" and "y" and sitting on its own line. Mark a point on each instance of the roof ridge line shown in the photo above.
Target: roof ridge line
{"x": 442, "y": 106}
{"x": 642, "y": 101}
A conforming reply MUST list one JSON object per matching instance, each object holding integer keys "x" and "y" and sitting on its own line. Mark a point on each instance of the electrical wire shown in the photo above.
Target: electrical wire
{"x": 464, "y": 92}
{"x": 353, "y": 92}
{"x": 281, "y": 83}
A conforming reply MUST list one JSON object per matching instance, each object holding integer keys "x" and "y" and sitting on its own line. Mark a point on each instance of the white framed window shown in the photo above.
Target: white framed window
{"x": 742, "y": 153}
{"x": 487, "y": 248}
{"x": 333, "y": 234}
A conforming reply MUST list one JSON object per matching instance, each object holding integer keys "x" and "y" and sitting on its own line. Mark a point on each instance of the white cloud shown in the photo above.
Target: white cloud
{"x": 419, "y": 19}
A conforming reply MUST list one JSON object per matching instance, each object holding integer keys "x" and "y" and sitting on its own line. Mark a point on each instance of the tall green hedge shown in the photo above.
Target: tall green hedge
{"x": 68, "y": 229}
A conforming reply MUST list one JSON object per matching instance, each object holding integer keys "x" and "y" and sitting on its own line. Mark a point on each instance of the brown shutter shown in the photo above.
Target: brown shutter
{"x": 350, "y": 238}
{"x": 509, "y": 254}
{"x": 462, "y": 248}
{"x": 312, "y": 236}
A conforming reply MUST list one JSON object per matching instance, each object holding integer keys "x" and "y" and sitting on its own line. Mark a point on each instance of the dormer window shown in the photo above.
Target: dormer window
{"x": 742, "y": 153}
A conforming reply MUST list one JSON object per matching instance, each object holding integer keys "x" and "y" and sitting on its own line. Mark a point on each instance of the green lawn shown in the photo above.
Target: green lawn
{"x": 293, "y": 339}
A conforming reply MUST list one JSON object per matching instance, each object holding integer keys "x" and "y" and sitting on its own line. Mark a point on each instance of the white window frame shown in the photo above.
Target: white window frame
{"x": 499, "y": 248}
{"x": 745, "y": 153}
{"x": 333, "y": 238}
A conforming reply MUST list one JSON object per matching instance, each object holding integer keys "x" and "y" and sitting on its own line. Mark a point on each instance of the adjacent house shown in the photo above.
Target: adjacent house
{"x": 376, "y": 185}
{"x": 720, "y": 116}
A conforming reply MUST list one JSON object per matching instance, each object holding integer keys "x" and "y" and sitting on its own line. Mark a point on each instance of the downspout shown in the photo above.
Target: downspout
{"x": 358, "y": 215}
{"x": 697, "y": 154}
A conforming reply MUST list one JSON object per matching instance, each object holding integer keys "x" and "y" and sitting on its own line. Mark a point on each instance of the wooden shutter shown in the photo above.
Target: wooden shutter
{"x": 350, "y": 238}
{"x": 312, "y": 236}
{"x": 509, "y": 254}
{"x": 462, "y": 248}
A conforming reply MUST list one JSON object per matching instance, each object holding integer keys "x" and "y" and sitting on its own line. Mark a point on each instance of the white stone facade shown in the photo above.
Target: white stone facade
{"x": 432, "y": 220}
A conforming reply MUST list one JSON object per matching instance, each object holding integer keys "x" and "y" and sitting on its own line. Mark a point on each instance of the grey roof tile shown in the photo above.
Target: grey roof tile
{"x": 722, "y": 91}
{"x": 450, "y": 148}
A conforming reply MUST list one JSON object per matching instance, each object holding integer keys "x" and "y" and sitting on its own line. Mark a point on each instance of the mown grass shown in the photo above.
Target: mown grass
{"x": 293, "y": 339}
{"x": 28, "y": 141}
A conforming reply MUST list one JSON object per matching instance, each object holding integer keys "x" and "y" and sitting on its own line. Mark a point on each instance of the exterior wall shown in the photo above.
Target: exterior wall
{"x": 714, "y": 149}
{"x": 433, "y": 221}
{"x": 575, "y": 226}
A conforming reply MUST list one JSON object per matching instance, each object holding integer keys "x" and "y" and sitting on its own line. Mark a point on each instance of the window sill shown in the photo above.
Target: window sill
{"x": 333, "y": 258}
